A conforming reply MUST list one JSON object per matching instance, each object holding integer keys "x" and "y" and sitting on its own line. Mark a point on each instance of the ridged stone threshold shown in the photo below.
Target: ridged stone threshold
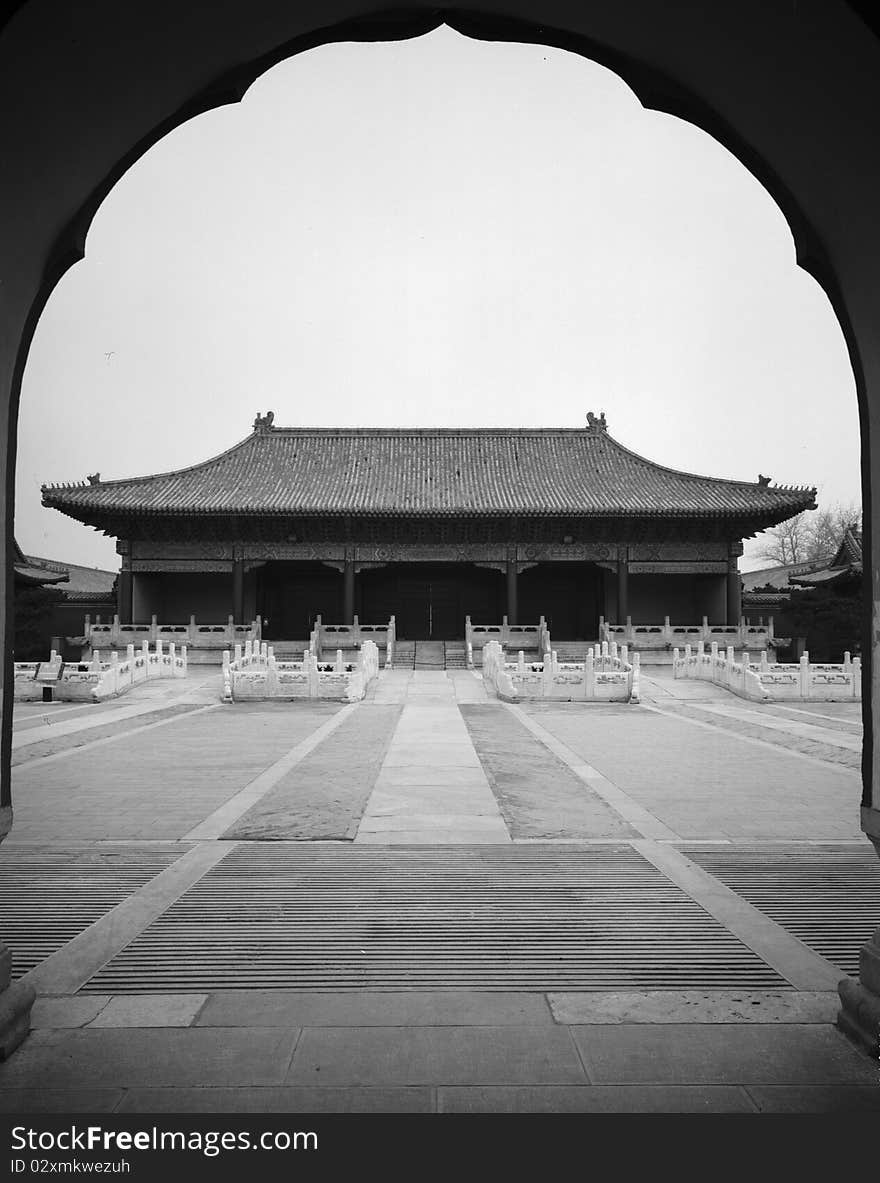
{"x": 49, "y": 897}
{"x": 469, "y": 917}
{"x": 828, "y": 896}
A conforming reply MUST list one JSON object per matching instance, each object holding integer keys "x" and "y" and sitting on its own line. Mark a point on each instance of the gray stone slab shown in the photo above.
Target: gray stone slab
{"x": 67, "y": 1010}
{"x": 93, "y": 1058}
{"x": 787, "y": 1098}
{"x": 720, "y": 1054}
{"x": 539, "y": 796}
{"x": 437, "y": 823}
{"x": 51, "y": 1100}
{"x": 325, "y": 793}
{"x": 280, "y": 1008}
{"x": 150, "y": 1010}
{"x": 436, "y": 1055}
{"x": 436, "y": 755}
{"x": 284, "y": 1099}
{"x": 460, "y": 835}
{"x": 696, "y": 1006}
{"x": 417, "y": 775}
{"x": 595, "y": 1099}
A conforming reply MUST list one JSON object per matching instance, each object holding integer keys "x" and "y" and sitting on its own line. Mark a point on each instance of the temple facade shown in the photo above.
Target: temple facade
{"x": 429, "y": 525}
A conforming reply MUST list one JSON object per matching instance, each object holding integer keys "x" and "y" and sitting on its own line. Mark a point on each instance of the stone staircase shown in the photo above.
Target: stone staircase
{"x": 404, "y": 655}
{"x": 289, "y": 650}
{"x": 430, "y": 655}
{"x": 456, "y": 655}
{"x": 572, "y": 650}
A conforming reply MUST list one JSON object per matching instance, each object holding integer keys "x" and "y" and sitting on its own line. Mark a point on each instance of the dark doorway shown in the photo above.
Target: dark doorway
{"x": 290, "y": 596}
{"x": 430, "y": 600}
{"x": 568, "y": 595}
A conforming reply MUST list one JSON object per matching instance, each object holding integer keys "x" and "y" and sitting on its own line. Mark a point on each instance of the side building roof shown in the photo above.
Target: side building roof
{"x": 81, "y": 583}
{"x": 429, "y": 472}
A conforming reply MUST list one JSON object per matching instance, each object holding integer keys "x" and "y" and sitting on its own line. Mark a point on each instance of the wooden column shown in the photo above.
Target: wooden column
{"x": 734, "y": 592}
{"x": 348, "y": 593}
{"x": 512, "y": 607}
{"x": 238, "y": 591}
{"x": 622, "y": 587}
{"x": 124, "y": 595}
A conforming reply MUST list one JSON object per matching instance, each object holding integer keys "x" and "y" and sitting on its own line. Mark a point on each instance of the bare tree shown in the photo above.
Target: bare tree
{"x": 811, "y": 535}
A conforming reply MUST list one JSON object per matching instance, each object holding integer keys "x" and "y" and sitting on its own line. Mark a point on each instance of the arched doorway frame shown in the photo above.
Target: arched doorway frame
{"x": 173, "y": 74}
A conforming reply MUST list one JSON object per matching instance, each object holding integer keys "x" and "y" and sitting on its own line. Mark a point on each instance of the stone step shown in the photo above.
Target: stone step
{"x": 430, "y": 655}
{"x": 456, "y": 656}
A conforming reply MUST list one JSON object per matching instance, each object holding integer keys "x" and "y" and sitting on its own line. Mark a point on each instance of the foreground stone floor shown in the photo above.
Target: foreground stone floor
{"x": 432, "y": 901}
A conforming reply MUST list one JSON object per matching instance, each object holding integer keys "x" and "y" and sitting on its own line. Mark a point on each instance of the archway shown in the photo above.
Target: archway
{"x": 93, "y": 102}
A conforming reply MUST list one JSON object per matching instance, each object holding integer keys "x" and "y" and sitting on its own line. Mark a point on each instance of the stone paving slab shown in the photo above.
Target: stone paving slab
{"x": 188, "y": 1056}
{"x": 35, "y": 747}
{"x": 46, "y": 1099}
{"x": 418, "y": 1008}
{"x": 807, "y": 1098}
{"x": 150, "y": 1010}
{"x": 814, "y": 730}
{"x": 704, "y": 782}
{"x": 849, "y": 723}
{"x": 325, "y": 795}
{"x": 158, "y": 784}
{"x": 696, "y": 1006}
{"x": 721, "y": 1054}
{"x": 68, "y": 1010}
{"x": 431, "y": 740}
{"x": 538, "y": 795}
{"x": 727, "y": 721}
{"x": 435, "y": 1055}
{"x": 278, "y": 1099}
{"x": 595, "y": 1099}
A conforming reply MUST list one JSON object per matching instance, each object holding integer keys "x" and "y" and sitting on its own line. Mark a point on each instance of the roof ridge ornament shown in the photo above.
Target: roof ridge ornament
{"x": 94, "y": 478}
{"x": 264, "y": 422}
{"x": 763, "y": 481}
{"x": 596, "y": 423}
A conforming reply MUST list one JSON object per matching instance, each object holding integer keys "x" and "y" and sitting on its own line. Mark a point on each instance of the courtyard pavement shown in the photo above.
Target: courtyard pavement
{"x": 432, "y": 901}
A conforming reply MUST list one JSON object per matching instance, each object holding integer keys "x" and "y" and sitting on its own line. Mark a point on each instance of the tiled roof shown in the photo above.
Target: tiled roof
{"x": 780, "y": 575}
{"x": 29, "y": 572}
{"x": 81, "y": 581}
{"x": 429, "y": 472}
{"x": 849, "y": 553}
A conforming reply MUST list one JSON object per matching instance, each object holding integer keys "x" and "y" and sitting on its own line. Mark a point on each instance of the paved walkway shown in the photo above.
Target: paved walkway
{"x": 431, "y": 787}
{"x": 168, "y": 850}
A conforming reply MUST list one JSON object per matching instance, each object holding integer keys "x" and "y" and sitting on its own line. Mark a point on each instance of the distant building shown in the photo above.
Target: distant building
{"x": 77, "y": 590}
{"x": 429, "y": 525}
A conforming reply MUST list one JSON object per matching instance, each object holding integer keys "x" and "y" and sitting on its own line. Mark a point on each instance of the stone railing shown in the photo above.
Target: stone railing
{"x": 606, "y": 675}
{"x": 667, "y": 636}
{"x": 331, "y": 637}
{"x": 113, "y": 635}
{"x": 95, "y": 680}
{"x": 769, "y": 681}
{"x": 508, "y": 636}
{"x": 253, "y": 672}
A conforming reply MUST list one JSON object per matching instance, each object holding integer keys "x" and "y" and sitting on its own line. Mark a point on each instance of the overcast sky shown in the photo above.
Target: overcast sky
{"x": 437, "y": 232}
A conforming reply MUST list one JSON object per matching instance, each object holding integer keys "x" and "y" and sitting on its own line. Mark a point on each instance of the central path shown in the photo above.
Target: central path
{"x": 431, "y": 787}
